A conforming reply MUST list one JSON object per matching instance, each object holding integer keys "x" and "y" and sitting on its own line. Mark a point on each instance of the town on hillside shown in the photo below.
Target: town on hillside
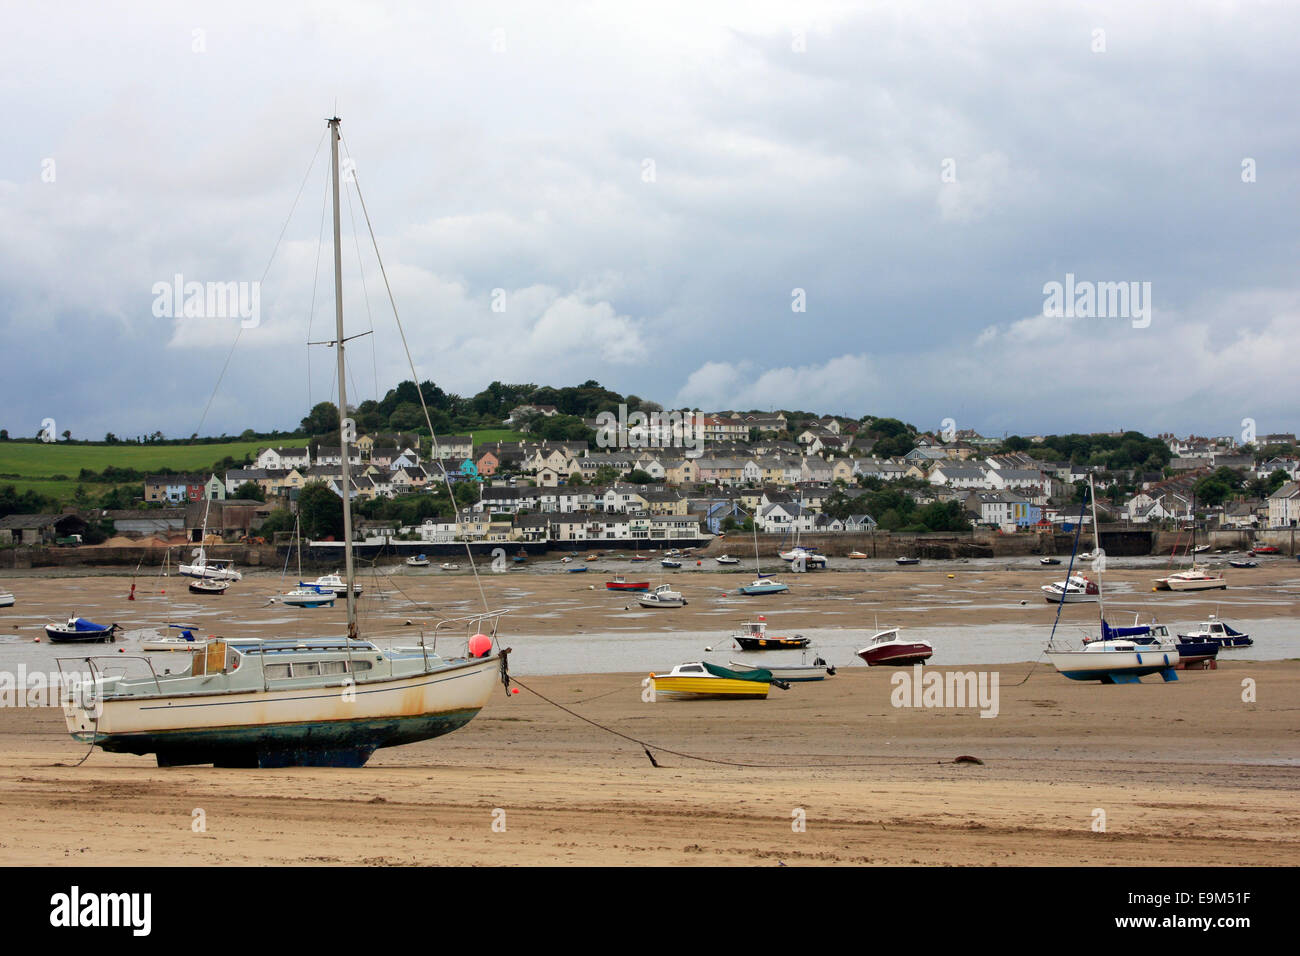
{"x": 686, "y": 476}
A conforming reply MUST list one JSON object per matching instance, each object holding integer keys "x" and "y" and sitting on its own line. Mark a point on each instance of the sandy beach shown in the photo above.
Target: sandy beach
{"x": 1185, "y": 773}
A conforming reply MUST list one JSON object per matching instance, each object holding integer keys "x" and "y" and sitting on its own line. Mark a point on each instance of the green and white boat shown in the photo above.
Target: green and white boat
{"x": 330, "y": 701}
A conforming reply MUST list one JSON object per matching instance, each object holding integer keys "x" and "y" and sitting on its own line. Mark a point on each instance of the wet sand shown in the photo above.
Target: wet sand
{"x": 1186, "y": 772}
{"x": 559, "y": 603}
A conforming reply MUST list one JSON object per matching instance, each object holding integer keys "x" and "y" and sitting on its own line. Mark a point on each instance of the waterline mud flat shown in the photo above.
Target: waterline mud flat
{"x": 1219, "y": 791}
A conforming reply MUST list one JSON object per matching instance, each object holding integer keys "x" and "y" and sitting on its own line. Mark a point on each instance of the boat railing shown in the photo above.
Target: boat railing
{"x": 471, "y": 622}
{"x": 99, "y": 671}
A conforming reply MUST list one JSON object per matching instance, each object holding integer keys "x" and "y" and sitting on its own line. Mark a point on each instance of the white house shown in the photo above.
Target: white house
{"x": 1284, "y": 506}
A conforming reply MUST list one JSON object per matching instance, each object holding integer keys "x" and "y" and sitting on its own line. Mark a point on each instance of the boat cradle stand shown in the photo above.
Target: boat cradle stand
{"x": 1169, "y": 674}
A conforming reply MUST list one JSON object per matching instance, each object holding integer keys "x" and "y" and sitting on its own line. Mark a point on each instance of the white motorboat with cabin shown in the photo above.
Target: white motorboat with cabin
{"x": 332, "y": 582}
{"x": 1076, "y": 589}
{"x": 887, "y": 648}
{"x": 662, "y": 596}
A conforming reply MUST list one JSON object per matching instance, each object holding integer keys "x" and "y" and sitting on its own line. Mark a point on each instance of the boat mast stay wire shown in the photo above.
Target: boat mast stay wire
{"x": 274, "y": 250}
{"x": 1068, "y": 572}
{"x": 424, "y": 407}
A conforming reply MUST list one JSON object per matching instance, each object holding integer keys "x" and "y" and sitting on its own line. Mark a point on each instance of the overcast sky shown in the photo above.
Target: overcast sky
{"x": 649, "y": 184}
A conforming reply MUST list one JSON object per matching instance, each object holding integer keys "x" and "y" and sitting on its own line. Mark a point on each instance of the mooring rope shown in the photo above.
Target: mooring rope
{"x": 648, "y": 747}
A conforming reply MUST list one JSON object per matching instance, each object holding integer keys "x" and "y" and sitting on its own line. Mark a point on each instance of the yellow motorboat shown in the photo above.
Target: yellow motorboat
{"x": 702, "y": 681}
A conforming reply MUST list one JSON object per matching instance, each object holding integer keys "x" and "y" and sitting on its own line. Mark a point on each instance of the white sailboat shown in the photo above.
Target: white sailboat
{"x": 1197, "y": 577}
{"x": 1113, "y": 659}
{"x": 271, "y": 703}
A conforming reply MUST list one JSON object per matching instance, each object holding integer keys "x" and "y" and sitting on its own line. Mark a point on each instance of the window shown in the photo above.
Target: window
{"x": 277, "y": 670}
{"x": 306, "y": 669}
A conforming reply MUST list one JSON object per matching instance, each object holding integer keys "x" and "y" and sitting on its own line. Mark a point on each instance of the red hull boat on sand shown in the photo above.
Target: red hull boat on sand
{"x": 619, "y": 584}
{"x": 886, "y": 648}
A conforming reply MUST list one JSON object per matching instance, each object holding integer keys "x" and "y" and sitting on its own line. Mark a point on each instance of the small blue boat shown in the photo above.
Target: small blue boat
{"x": 310, "y": 595}
{"x": 764, "y": 585}
{"x": 1214, "y": 630}
{"x": 78, "y": 630}
{"x": 578, "y": 570}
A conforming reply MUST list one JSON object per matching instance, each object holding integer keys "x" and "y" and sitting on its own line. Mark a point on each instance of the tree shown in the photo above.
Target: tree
{"x": 322, "y": 419}
{"x": 250, "y": 491}
{"x": 1211, "y": 491}
{"x": 320, "y": 511}
{"x": 639, "y": 477}
{"x": 606, "y": 475}
{"x": 278, "y": 520}
{"x": 67, "y": 434}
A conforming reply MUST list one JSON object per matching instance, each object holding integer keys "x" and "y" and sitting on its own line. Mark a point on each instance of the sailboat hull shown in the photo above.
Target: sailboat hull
{"x": 1113, "y": 667}
{"x": 339, "y": 725}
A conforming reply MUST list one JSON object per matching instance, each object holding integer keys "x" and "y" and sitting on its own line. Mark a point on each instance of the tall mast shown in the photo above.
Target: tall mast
{"x": 343, "y": 394}
{"x": 1096, "y": 549}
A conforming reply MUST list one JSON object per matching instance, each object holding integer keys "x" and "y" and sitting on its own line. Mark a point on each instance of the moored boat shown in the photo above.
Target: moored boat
{"x": 78, "y": 630}
{"x": 1215, "y": 630}
{"x": 670, "y": 563}
{"x": 620, "y": 583}
{"x": 309, "y": 595}
{"x": 417, "y": 561}
{"x": 705, "y": 681}
{"x": 208, "y": 586}
{"x": 1120, "y": 656}
{"x": 754, "y": 638}
{"x": 6, "y": 599}
{"x": 790, "y": 673}
{"x": 268, "y": 703}
{"x": 331, "y": 582}
{"x": 887, "y": 648}
{"x": 763, "y": 585}
{"x": 907, "y": 560}
{"x": 1075, "y": 589}
{"x": 857, "y": 556}
{"x": 449, "y": 566}
{"x": 1049, "y": 561}
{"x": 201, "y": 567}
{"x": 726, "y": 559}
{"x": 1193, "y": 579}
{"x": 662, "y": 596}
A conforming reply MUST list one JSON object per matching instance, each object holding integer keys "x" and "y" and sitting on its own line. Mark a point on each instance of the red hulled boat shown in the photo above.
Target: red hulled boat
{"x": 887, "y": 648}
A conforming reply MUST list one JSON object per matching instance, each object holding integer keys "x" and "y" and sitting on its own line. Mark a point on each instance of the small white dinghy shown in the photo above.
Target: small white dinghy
{"x": 794, "y": 673}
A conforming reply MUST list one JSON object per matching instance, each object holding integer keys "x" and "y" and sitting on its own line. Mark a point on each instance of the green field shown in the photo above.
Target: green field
{"x": 37, "y": 463}
{"x": 483, "y": 435}
{"x": 38, "y": 460}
